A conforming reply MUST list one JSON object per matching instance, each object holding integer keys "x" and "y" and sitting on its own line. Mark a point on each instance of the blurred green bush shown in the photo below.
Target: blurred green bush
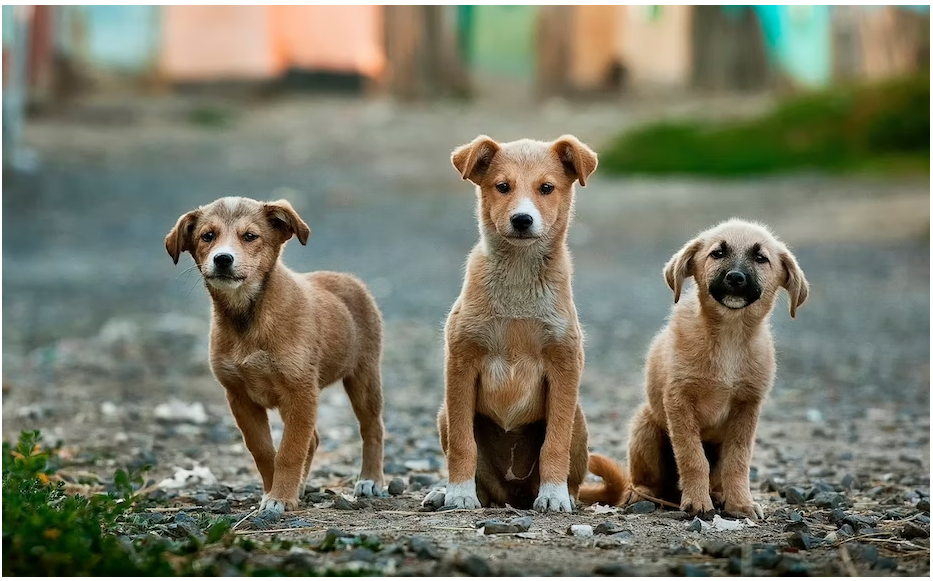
{"x": 883, "y": 127}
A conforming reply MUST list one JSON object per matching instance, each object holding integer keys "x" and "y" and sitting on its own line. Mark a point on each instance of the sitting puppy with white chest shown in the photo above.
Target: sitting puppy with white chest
{"x": 510, "y": 425}
{"x": 278, "y": 337}
{"x": 708, "y": 373}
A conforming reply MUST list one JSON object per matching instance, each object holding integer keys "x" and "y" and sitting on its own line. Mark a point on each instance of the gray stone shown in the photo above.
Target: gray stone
{"x": 580, "y": 531}
{"x": 184, "y": 521}
{"x": 695, "y": 526}
{"x": 615, "y": 570}
{"x": 396, "y": 486}
{"x": 341, "y": 503}
{"x": 674, "y": 514}
{"x": 608, "y": 528}
{"x": 219, "y": 507}
{"x": 266, "y": 518}
{"x": 924, "y": 505}
{"x": 913, "y": 531}
{"x": 641, "y": 507}
{"x": 423, "y": 548}
{"x": 829, "y": 500}
{"x": 473, "y": 566}
{"x": 803, "y": 541}
{"x": 795, "y": 495}
{"x": 796, "y": 527}
{"x": 850, "y": 483}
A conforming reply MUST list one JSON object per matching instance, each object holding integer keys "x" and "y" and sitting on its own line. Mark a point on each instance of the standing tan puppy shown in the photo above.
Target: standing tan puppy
{"x": 709, "y": 371}
{"x": 279, "y": 337}
{"x": 510, "y": 426}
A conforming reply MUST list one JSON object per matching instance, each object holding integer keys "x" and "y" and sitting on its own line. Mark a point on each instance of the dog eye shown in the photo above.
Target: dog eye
{"x": 718, "y": 253}
{"x": 547, "y": 188}
{"x": 502, "y": 187}
{"x": 249, "y": 236}
{"x": 761, "y": 258}
{"x": 207, "y": 236}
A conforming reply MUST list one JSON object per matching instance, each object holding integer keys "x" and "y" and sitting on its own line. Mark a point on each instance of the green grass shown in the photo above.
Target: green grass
{"x": 881, "y": 128}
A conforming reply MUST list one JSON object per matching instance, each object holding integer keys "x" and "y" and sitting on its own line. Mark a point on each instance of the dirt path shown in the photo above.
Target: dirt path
{"x": 100, "y": 329}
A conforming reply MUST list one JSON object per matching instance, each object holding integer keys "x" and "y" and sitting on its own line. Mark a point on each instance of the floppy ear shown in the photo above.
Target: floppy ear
{"x": 181, "y": 237}
{"x": 578, "y": 159}
{"x": 796, "y": 283}
{"x": 680, "y": 267}
{"x": 285, "y": 219}
{"x": 473, "y": 159}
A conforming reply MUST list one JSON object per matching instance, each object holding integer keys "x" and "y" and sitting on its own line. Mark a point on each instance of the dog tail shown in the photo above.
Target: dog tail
{"x": 615, "y": 481}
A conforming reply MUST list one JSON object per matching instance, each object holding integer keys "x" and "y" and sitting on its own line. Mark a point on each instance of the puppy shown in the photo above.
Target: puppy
{"x": 510, "y": 425}
{"x": 708, "y": 373}
{"x": 279, "y": 337}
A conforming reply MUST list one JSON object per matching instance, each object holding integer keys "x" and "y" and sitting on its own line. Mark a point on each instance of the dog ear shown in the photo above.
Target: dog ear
{"x": 579, "y": 160}
{"x": 181, "y": 237}
{"x": 680, "y": 267}
{"x": 795, "y": 282}
{"x": 285, "y": 219}
{"x": 473, "y": 159}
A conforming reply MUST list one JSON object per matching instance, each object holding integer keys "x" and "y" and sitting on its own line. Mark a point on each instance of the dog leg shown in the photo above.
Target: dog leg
{"x": 460, "y": 403}
{"x": 579, "y": 454}
{"x": 645, "y": 457}
{"x": 253, "y": 422}
{"x": 563, "y": 368}
{"x": 365, "y": 391}
{"x": 737, "y": 447}
{"x": 692, "y": 464}
{"x": 315, "y": 440}
{"x": 299, "y": 414}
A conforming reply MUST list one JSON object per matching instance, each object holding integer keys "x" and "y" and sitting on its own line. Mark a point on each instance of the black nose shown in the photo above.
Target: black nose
{"x": 736, "y": 279}
{"x": 223, "y": 260}
{"x": 522, "y": 222}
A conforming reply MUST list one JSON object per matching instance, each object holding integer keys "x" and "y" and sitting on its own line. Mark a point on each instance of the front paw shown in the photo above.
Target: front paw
{"x": 367, "y": 488}
{"x": 745, "y": 507}
{"x": 553, "y": 498}
{"x": 462, "y": 495}
{"x": 697, "y": 504}
{"x": 279, "y": 505}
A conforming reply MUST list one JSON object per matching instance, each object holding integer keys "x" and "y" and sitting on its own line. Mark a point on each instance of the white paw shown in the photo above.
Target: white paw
{"x": 367, "y": 488}
{"x": 553, "y": 498}
{"x": 461, "y": 495}
{"x": 273, "y": 504}
{"x": 434, "y": 499}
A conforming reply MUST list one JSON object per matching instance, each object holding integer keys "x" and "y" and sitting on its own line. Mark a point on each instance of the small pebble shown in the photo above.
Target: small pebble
{"x": 829, "y": 500}
{"x": 913, "y": 531}
{"x": 580, "y": 531}
{"x": 423, "y": 548}
{"x": 396, "y": 486}
{"x": 674, "y": 515}
{"x": 641, "y": 507}
{"x": 615, "y": 570}
{"x": 924, "y": 505}
{"x": 341, "y": 503}
{"x": 849, "y": 482}
{"x": 803, "y": 541}
{"x": 219, "y": 506}
{"x": 608, "y": 528}
{"x": 794, "y": 495}
{"x": 696, "y": 525}
{"x": 473, "y": 566}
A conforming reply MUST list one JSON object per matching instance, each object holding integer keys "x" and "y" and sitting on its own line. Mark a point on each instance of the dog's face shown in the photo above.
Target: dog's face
{"x": 737, "y": 266}
{"x": 525, "y": 186}
{"x": 235, "y": 241}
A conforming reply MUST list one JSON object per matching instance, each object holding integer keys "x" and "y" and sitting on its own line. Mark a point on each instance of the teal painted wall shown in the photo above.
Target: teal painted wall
{"x": 499, "y": 39}
{"x": 799, "y": 41}
{"x": 113, "y": 38}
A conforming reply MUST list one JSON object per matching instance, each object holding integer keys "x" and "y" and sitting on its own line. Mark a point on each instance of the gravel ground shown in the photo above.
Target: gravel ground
{"x": 105, "y": 342}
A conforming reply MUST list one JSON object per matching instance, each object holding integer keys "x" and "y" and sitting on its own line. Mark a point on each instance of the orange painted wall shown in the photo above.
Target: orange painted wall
{"x": 209, "y": 43}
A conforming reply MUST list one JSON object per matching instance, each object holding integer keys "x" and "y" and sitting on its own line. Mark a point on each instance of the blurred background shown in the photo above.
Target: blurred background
{"x": 118, "y": 119}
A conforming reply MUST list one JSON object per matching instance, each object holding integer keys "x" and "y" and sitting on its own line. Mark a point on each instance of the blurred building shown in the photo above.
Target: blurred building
{"x": 426, "y": 51}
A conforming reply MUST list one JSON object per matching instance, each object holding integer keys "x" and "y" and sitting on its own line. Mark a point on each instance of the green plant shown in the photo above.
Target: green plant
{"x": 877, "y": 127}
{"x": 49, "y": 532}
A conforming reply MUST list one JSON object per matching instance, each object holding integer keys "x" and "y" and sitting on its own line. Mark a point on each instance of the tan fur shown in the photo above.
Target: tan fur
{"x": 278, "y": 337}
{"x": 514, "y": 348}
{"x": 708, "y": 372}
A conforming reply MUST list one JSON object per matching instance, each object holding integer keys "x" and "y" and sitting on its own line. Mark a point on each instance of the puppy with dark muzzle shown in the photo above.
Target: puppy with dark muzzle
{"x": 708, "y": 373}
{"x": 279, "y": 337}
